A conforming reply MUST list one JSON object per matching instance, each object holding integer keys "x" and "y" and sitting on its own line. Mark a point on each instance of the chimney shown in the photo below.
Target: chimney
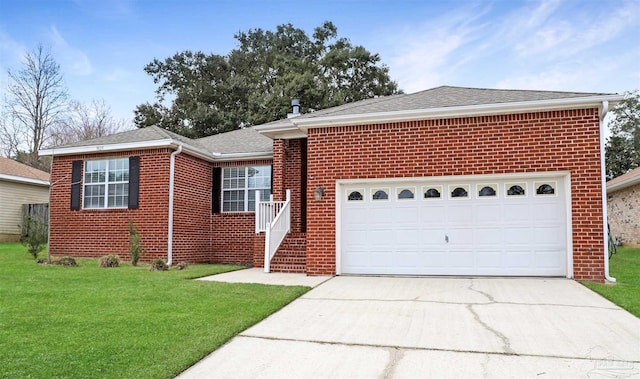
{"x": 295, "y": 104}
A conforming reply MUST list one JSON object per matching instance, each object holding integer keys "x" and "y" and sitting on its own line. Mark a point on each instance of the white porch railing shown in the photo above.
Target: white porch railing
{"x": 274, "y": 218}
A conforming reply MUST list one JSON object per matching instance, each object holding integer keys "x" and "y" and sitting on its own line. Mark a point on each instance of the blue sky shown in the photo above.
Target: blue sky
{"x": 103, "y": 45}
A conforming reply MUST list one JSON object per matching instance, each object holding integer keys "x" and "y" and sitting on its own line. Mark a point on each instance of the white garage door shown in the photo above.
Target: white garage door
{"x": 456, "y": 227}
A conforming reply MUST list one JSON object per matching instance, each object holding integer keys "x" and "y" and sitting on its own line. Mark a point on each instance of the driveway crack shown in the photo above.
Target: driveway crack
{"x": 506, "y": 344}
{"x": 395, "y": 356}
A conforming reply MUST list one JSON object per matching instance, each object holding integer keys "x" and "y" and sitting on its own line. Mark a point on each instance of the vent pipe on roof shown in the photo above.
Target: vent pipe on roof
{"x": 295, "y": 104}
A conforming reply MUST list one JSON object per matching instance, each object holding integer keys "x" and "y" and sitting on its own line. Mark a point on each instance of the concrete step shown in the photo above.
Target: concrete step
{"x": 288, "y": 268}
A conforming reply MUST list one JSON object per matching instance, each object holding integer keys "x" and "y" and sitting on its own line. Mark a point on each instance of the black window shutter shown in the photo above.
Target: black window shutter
{"x": 76, "y": 181}
{"x": 216, "y": 190}
{"x": 134, "y": 181}
{"x": 271, "y": 189}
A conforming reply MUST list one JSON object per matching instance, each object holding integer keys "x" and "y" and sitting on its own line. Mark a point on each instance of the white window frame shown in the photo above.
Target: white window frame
{"x": 106, "y": 184}
{"x": 265, "y": 192}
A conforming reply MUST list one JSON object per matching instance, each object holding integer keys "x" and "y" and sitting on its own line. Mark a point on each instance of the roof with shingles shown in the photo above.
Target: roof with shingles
{"x": 249, "y": 140}
{"x": 14, "y": 168}
{"x": 443, "y": 97}
{"x": 151, "y": 133}
{"x": 246, "y": 140}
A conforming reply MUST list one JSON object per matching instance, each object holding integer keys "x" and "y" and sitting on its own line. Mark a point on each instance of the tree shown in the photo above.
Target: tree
{"x": 36, "y": 99}
{"x": 622, "y": 152}
{"x": 83, "y": 122}
{"x": 256, "y": 82}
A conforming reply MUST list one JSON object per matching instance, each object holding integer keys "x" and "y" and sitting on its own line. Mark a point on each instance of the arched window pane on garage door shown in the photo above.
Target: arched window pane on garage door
{"x": 431, "y": 193}
{"x": 516, "y": 190}
{"x": 459, "y": 192}
{"x": 405, "y": 194}
{"x": 487, "y": 191}
{"x": 545, "y": 189}
{"x": 380, "y": 195}
{"x": 355, "y": 196}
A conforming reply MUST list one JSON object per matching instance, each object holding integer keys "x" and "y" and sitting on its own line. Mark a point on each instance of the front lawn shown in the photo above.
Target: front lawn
{"x": 126, "y": 322}
{"x": 625, "y": 267}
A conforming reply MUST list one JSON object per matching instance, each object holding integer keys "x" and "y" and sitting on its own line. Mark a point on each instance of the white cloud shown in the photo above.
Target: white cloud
{"x": 73, "y": 60}
{"x": 422, "y": 56}
{"x": 116, "y": 74}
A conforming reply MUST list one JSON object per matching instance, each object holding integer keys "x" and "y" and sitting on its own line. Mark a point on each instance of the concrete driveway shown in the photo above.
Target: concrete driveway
{"x": 390, "y": 327}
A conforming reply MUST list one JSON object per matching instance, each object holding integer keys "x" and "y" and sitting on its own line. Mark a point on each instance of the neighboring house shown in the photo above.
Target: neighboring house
{"x": 19, "y": 184}
{"x": 447, "y": 181}
{"x": 623, "y": 207}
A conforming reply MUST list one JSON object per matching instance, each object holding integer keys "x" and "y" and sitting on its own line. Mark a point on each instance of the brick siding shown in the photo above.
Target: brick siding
{"x": 521, "y": 143}
{"x": 97, "y": 232}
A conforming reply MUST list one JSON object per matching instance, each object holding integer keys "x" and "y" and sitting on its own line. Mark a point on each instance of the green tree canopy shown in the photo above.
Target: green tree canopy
{"x": 622, "y": 152}
{"x": 203, "y": 94}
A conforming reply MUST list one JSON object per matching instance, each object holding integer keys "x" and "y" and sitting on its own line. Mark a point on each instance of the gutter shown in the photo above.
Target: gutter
{"x": 172, "y": 168}
{"x": 22, "y": 179}
{"x": 605, "y": 228}
{"x": 242, "y": 156}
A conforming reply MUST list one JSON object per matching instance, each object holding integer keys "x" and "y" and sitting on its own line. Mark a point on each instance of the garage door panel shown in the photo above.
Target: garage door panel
{"x": 488, "y": 236}
{"x": 407, "y": 237}
{"x": 493, "y": 235}
{"x": 547, "y": 235}
{"x": 517, "y": 235}
{"x": 515, "y": 212}
{"x": 487, "y": 214}
{"x": 432, "y": 215}
{"x": 488, "y": 259}
{"x": 460, "y": 236}
{"x": 548, "y": 259}
{"x": 514, "y": 259}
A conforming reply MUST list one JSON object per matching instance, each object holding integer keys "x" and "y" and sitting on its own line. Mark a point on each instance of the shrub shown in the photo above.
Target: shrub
{"x": 110, "y": 260}
{"x": 158, "y": 265}
{"x": 181, "y": 266}
{"x": 36, "y": 236}
{"x": 66, "y": 261}
{"x": 135, "y": 250}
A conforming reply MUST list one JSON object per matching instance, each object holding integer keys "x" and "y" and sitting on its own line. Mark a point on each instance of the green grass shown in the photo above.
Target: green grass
{"x": 126, "y": 322}
{"x": 625, "y": 267}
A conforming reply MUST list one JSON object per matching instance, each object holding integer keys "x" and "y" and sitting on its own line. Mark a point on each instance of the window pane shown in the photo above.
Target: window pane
{"x": 240, "y": 183}
{"x": 93, "y": 196}
{"x": 431, "y": 193}
{"x": 405, "y": 194}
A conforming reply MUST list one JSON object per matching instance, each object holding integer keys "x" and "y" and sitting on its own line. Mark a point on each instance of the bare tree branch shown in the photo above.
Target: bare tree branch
{"x": 37, "y": 98}
{"x": 85, "y": 122}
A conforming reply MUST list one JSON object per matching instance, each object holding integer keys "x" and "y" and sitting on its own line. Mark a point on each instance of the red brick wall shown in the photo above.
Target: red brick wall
{"x": 192, "y": 210}
{"x": 97, "y": 232}
{"x": 233, "y": 232}
{"x": 532, "y": 142}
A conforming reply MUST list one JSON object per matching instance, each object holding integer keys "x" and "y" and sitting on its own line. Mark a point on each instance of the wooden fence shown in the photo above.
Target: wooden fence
{"x": 38, "y": 212}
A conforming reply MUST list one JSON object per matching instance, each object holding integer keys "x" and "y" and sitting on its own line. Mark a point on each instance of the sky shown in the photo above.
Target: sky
{"x": 102, "y": 46}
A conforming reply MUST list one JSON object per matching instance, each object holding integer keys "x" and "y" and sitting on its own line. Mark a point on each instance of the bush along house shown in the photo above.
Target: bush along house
{"x": 447, "y": 181}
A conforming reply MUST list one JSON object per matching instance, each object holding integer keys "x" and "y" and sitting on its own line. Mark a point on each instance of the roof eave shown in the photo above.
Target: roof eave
{"x": 92, "y": 149}
{"x": 623, "y": 184}
{"x": 225, "y": 157}
{"x": 460, "y": 111}
{"x": 108, "y": 148}
{"x": 21, "y": 179}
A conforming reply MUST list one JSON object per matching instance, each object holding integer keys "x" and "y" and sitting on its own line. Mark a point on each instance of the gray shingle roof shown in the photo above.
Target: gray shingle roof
{"x": 443, "y": 97}
{"x": 237, "y": 141}
{"x": 151, "y": 133}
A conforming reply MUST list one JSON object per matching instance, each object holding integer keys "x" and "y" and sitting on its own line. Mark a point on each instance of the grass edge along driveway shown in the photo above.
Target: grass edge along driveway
{"x": 91, "y": 322}
{"x": 625, "y": 267}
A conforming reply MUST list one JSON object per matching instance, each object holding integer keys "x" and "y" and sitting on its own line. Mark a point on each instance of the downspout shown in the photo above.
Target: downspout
{"x": 605, "y": 229}
{"x": 172, "y": 168}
